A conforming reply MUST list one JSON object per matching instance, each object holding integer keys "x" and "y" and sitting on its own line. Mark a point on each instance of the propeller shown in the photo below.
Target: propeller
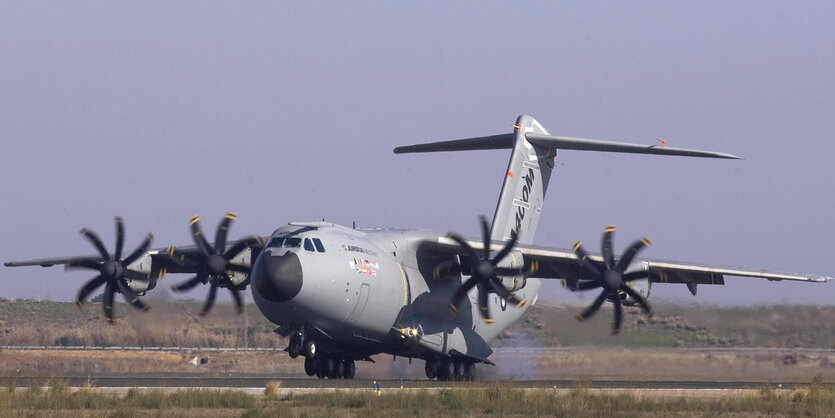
{"x": 610, "y": 275}
{"x": 213, "y": 263}
{"x": 113, "y": 271}
{"x": 485, "y": 273}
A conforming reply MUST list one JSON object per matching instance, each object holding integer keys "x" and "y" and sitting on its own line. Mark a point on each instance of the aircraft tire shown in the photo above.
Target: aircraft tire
{"x": 325, "y": 365}
{"x": 469, "y": 371}
{"x": 457, "y": 370}
{"x": 338, "y": 368}
{"x": 310, "y": 366}
{"x": 311, "y": 349}
{"x": 294, "y": 348}
{"x": 349, "y": 369}
{"x": 431, "y": 369}
{"x": 446, "y": 369}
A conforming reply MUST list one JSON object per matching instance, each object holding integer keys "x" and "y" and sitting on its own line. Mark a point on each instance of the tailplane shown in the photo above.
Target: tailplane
{"x": 530, "y": 166}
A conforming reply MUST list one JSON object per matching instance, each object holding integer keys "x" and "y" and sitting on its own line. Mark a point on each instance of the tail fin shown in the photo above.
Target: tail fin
{"x": 529, "y": 170}
{"x": 525, "y": 184}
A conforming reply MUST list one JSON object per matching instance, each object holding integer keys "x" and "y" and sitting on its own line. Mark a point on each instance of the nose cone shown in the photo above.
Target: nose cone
{"x": 278, "y": 278}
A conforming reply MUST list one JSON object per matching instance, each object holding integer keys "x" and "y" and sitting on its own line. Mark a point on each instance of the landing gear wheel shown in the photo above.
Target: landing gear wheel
{"x": 311, "y": 349}
{"x": 469, "y": 371}
{"x": 446, "y": 369}
{"x": 431, "y": 369}
{"x": 310, "y": 366}
{"x": 324, "y": 366}
{"x": 457, "y": 370}
{"x": 338, "y": 368}
{"x": 349, "y": 369}
{"x": 294, "y": 348}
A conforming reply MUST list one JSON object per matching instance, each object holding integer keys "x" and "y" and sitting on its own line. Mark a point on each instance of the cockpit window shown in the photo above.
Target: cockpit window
{"x": 292, "y": 242}
{"x": 308, "y": 246}
{"x": 319, "y": 246}
{"x": 276, "y": 242}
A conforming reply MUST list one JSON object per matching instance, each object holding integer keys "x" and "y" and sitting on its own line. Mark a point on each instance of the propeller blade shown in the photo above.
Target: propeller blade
{"x": 134, "y": 275}
{"x": 630, "y": 253}
{"x": 237, "y": 268}
{"x": 107, "y": 305}
{"x": 618, "y": 315}
{"x": 239, "y": 304}
{"x": 588, "y": 312}
{"x": 139, "y": 251}
{"x": 199, "y": 239}
{"x": 509, "y": 271}
{"x": 236, "y": 249}
{"x": 608, "y": 250}
{"x": 242, "y": 285}
{"x": 635, "y": 275}
{"x": 508, "y": 247}
{"x": 585, "y": 261}
{"x": 461, "y": 293}
{"x": 130, "y": 295}
{"x": 222, "y": 231}
{"x": 505, "y": 294}
{"x": 638, "y": 298}
{"x": 88, "y": 288}
{"x": 485, "y": 236}
{"x": 120, "y": 238}
{"x": 194, "y": 281}
{"x": 210, "y": 301}
{"x": 96, "y": 241}
{"x": 463, "y": 243}
{"x": 483, "y": 305}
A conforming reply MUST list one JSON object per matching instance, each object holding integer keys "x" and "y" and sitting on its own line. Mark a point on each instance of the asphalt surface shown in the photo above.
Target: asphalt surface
{"x": 313, "y": 383}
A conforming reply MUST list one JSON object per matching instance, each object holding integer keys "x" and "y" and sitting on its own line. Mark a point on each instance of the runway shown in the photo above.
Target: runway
{"x": 313, "y": 383}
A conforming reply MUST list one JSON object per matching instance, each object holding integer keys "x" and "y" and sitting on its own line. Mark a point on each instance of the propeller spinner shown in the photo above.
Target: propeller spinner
{"x": 611, "y": 276}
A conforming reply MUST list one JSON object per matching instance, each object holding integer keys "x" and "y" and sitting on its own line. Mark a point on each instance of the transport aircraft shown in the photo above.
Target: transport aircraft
{"x": 343, "y": 294}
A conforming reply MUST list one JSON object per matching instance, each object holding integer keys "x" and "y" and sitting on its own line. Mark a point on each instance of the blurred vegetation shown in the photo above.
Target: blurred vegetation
{"x": 779, "y": 326}
{"x": 500, "y": 399}
{"x": 176, "y": 324}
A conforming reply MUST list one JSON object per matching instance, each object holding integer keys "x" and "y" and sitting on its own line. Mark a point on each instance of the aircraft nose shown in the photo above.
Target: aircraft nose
{"x": 278, "y": 278}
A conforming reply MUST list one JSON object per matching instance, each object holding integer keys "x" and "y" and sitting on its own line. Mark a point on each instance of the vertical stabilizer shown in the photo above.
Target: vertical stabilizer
{"x": 525, "y": 183}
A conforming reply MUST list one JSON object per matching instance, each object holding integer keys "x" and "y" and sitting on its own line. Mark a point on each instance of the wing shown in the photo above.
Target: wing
{"x": 162, "y": 261}
{"x": 556, "y": 263}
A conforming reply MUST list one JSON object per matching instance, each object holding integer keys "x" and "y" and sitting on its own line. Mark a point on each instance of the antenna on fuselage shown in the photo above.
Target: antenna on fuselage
{"x": 354, "y": 224}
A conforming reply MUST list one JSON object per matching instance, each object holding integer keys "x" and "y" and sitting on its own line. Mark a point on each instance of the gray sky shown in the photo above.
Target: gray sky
{"x": 289, "y": 111}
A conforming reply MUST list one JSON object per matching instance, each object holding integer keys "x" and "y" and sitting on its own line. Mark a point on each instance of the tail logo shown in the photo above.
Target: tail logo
{"x": 527, "y": 186}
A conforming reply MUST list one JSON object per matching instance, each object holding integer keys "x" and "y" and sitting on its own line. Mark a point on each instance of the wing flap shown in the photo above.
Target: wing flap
{"x": 558, "y": 263}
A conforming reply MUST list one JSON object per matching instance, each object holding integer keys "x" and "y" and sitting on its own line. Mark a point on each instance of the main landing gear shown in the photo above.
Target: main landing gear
{"x": 447, "y": 368}
{"x": 329, "y": 366}
{"x": 320, "y": 364}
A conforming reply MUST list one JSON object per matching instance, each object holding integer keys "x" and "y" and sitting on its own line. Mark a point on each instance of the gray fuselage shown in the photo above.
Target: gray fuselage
{"x": 357, "y": 288}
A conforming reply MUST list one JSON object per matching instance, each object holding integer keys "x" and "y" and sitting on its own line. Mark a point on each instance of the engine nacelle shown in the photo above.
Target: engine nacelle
{"x": 513, "y": 260}
{"x": 640, "y": 286}
{"x": 244, "y": 258}
{"x": 143, "y": 265}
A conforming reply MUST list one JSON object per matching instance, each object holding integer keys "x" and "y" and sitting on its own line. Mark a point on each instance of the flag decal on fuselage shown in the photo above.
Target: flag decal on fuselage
{"x": 366, "y": 267}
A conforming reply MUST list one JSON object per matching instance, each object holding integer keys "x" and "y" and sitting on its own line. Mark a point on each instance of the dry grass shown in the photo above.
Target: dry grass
{"x": 501, "y": 399}
{"x": 272, "y": 389}
{"x": 176, "y": 324}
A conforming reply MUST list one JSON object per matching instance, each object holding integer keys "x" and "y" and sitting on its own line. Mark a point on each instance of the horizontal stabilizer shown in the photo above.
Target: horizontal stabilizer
{"x": 503, "y": 141}
{"x": 582, "y": 144}
{"x": 506, "y": 141}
